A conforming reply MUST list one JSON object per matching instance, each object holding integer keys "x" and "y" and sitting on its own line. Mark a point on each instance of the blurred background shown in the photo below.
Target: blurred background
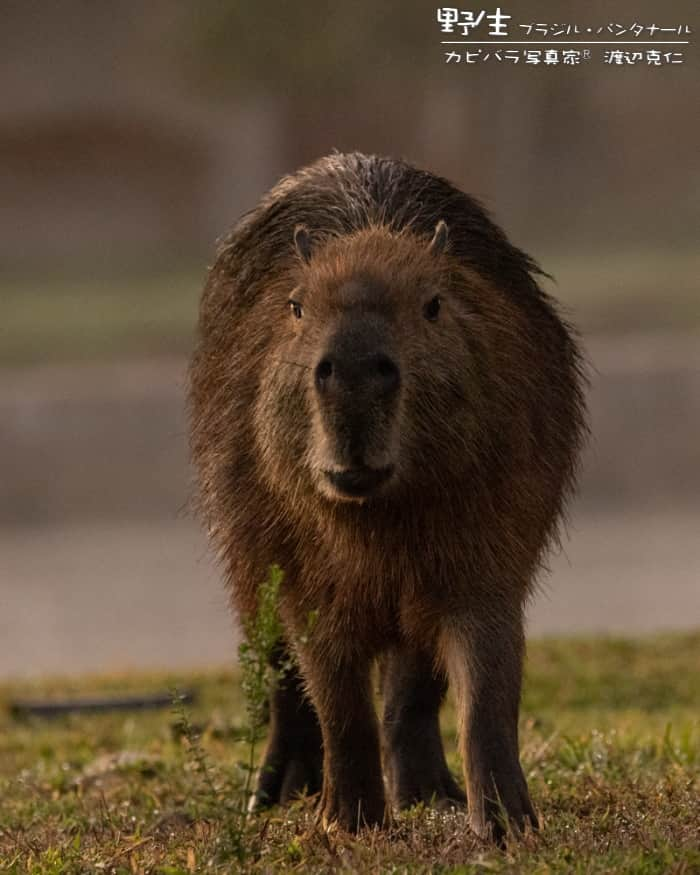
{"x": 133, "y": 134}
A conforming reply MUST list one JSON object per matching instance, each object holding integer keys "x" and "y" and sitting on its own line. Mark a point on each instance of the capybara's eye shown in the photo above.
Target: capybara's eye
{"x": 432, "y": 308}
{"x": 295, "y": 307}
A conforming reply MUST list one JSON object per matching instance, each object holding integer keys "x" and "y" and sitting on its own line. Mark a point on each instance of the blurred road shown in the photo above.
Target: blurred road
{"x": 109, "y": 596}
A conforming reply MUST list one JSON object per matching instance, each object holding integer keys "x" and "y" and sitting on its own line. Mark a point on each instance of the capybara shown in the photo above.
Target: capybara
{"x": 385, "y": 403}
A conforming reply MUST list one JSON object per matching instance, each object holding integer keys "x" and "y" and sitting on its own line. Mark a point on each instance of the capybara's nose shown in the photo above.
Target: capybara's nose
{"x": 374, "y": 376}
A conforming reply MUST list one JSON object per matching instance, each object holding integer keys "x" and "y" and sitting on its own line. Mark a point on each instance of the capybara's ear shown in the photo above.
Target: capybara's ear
{"x": 302, "y": 242}
{"x": 439, "y": 241}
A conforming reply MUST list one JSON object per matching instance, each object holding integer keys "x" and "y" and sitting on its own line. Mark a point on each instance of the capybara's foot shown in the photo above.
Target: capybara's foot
{"x": 509, "y": 811}
{"x": 286, "y": 777}
{"x": 352, "y": 811}
{"x": 429, "y": 783}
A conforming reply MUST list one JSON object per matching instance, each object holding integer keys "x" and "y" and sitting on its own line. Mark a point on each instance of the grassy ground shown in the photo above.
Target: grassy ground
{"x": 610, "y": 743}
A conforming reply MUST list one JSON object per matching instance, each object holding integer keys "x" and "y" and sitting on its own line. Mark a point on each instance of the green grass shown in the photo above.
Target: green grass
{"x": 99, "y": 313}
{"x": 101, "y": 317}
{"x": 610, "y": 744}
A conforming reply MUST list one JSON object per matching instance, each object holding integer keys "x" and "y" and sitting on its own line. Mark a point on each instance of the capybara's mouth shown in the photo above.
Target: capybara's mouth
{"x": 359, "y": 482}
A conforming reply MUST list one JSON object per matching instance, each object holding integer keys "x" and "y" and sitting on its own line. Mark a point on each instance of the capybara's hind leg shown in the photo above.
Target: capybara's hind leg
{"x": 413, "y": 752}
{"x": 484, "y": 658}
{"x": 293, "y": 760}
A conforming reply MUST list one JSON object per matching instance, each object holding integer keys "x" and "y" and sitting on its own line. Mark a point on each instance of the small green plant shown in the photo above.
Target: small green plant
{"x": 222, "y": 796}
{"x": 263, "y": 633}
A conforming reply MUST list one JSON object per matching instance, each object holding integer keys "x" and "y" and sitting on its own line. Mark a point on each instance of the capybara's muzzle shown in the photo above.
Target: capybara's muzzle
{"x": 357, "y": 382}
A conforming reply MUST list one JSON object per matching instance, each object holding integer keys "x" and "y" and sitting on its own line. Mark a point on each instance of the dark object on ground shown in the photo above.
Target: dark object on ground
{"x": 58, "y": 707}
{"x": 385, "y": 403}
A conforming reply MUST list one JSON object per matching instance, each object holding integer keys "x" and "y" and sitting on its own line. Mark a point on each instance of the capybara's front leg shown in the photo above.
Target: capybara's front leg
{"x": 353, "y": 790}
{"x": 484, "y": 660}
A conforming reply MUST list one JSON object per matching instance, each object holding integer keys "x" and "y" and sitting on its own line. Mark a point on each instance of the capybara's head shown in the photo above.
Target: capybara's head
{"x": 370, "y": 386}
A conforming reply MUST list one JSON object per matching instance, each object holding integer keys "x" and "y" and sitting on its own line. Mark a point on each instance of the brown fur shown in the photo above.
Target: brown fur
{"x": 477, "y": 414}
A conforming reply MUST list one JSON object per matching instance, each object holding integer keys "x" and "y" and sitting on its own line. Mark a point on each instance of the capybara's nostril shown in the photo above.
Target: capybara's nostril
{"x": 387, "y": 374}
{"x": 324, "y": 370}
